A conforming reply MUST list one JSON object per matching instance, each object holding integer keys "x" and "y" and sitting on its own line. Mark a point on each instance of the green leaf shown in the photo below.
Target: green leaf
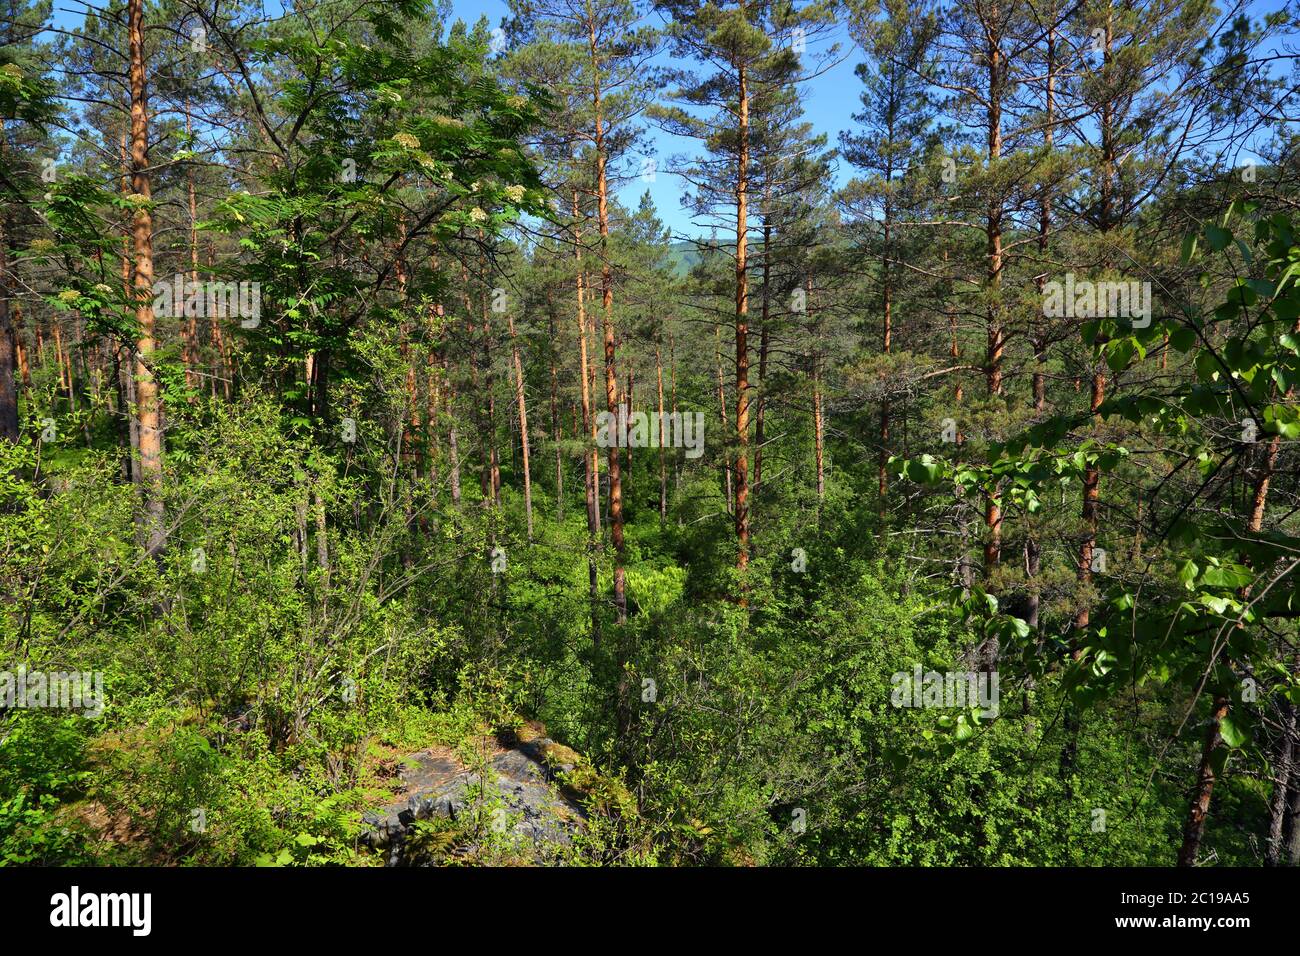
{"x": 1182, "y": 338}
{"x": 1119, "y": 353}
{"x": 924, "y": 470}
{"x": 1230, "y": 577}
{"x": 964, "y": 729}
{"x": 1232, "y": 733}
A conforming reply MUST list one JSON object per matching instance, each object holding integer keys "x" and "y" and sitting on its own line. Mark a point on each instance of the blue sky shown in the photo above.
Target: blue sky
{"x": 829, "y": 102}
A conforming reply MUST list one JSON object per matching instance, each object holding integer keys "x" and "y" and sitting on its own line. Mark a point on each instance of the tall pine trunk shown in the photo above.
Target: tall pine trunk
{"x": 663, "y": 464}
{"x": 8, "y": 341}
{"x": 147, "y": 396}
{"x": 611, "y": 369}
{"x": 742, "y": 327}
{"x": 996, "y": 333}
{"x": 590, "y": 456}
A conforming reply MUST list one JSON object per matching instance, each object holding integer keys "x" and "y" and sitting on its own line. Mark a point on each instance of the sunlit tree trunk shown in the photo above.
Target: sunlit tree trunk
{"x": 1033, "y": 550}
{"x": 742, "y": 325}
{"x": 189, "y": 325}
{"x": 996, "y": 333}
{"x": 147, "y": 395}
{"x": 1194, "y": 828}
{"x": 607, "y": 303}
{"x": 8, "y": 340}
{"x": 590, "y": 457}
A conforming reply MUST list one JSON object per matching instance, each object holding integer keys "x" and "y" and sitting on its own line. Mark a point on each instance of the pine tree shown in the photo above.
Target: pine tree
{"x": 749, "y": 50}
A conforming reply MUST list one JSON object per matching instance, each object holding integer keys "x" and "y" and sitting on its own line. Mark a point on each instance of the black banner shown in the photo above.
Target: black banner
{"x": 453, "y": 903}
